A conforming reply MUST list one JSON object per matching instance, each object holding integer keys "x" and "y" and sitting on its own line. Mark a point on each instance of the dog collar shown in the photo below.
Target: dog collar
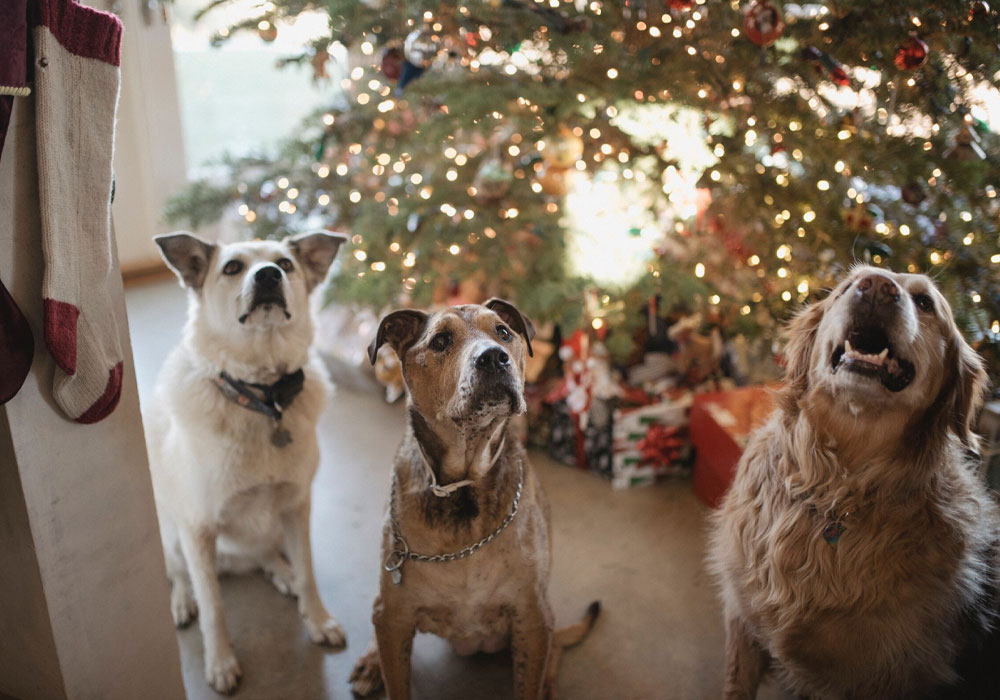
{"x": 448, "y": 489}
{"x": 402, "y": 553}
{"x": 276, "y": 397}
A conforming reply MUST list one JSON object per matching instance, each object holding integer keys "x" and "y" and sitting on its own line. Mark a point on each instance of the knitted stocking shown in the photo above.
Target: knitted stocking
{"x": 76, "y": 77}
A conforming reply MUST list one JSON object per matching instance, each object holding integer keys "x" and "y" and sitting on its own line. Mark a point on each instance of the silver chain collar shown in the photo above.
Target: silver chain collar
{"x": 402, "y": 553}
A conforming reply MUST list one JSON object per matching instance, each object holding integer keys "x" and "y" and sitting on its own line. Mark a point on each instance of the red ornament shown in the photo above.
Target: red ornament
{"x": 392, "y": 63}
{"x": 680, "y": 4}
{"x": 979, "y": 11}
{"x": 912, "y": 54}
{"x": 763, "y": 23}
{"x": 839, "y": 76}
{"x": 824, "y": 60}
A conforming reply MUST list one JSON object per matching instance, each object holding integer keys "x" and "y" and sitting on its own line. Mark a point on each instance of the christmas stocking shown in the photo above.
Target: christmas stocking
{"x": 16, "y": 344}
{"x": 76, "y": 85}
{"x": 16, "y": 347}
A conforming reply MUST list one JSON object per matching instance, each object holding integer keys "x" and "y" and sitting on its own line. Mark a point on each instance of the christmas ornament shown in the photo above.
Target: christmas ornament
{"x": 267, "y": 31}
{"x": 966, "y": 146}
{"x": 392, "y": 63}
{"x": 492, "y": 181}
{"x": 554, "y": 181}
{"x": 680, "y": 4}
{"x": 825, "y": 60}
{"x": 421, "y": 47}
{"x": 563, "y": 150}
{"x": 912, "y": 54}
{"x": 979, "y": 12}
{"x": 913, "y": 193}
{"x": 763, "y": 23}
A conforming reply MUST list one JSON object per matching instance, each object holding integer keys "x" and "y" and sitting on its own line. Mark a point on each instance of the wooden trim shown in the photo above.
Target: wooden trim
{"x": 145, "y": 272}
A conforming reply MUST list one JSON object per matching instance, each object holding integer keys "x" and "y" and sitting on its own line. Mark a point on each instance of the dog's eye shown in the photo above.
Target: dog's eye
{"x": 232, "y": 267}
{"x": 504, "y": 333}
{"x": 923, "y": 302}
{"x": 440, "y": 342}
{"x": 286, "y": 264}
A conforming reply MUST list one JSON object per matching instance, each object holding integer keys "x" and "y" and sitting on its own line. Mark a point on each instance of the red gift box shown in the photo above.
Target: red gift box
{"x": 721, "y": 424}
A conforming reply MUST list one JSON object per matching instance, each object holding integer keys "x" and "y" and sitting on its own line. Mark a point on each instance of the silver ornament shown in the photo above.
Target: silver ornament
{"x": 421, "y": 47}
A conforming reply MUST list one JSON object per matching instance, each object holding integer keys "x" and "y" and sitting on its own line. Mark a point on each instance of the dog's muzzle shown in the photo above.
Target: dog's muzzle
{"x": 867, "y": 349}
{"x": 494, "y": 379}
{"x": 267, "y": 291}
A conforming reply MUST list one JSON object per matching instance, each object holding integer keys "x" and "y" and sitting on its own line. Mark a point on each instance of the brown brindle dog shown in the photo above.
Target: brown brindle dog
{"x": 467, "y": 547}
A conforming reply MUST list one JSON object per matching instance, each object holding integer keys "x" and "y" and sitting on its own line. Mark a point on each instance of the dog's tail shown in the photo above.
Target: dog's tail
{"x": 574, "y": 634}
{"x": 567, "y": 637}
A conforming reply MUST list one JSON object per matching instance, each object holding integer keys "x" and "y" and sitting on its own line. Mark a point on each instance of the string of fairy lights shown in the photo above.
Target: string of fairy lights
{"x": 848, "y": 107}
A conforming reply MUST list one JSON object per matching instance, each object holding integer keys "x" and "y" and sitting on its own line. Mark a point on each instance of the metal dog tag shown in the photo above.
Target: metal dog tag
{"x": 397, "y": 576}
{"x": 280, "y": 437}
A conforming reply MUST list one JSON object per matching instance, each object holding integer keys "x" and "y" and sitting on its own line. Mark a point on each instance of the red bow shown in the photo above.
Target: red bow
{"x": 662, "y": 445}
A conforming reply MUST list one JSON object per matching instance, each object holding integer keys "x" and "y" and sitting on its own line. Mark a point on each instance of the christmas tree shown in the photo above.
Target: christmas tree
{"x": 583, "y": 157}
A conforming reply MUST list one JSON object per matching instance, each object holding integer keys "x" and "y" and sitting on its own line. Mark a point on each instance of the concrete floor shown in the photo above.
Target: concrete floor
{"x": 640, "y": 552}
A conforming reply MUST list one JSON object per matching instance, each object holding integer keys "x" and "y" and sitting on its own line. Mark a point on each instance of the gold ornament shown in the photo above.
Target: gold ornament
{"x": 267, "y": 31}
{"x": 563, "y": 150}
{"x": 554, "y": 181}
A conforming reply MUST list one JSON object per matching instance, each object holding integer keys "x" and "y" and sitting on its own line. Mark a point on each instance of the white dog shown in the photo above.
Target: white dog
{"x": 232, "y": 431}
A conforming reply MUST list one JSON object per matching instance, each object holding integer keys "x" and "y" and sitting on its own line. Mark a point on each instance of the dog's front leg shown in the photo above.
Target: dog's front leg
{"x": 221, "y": 668}
{"x": 394, "y": 630}
{"x": 746, "y": 662}
{"x": 322, "y": 628}
{"x": 531, "y": 645}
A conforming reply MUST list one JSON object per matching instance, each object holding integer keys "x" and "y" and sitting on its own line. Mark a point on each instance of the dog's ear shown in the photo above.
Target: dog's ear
{"x": 801, "y": 337}
{"x": 962, "y": 392}
{"x": 970, "y": 390}
{"x": 400, "y": 329}
{"x": 513, "y": 318}
{"x": 187, "y": 255}
{"x": 315, "y": 252}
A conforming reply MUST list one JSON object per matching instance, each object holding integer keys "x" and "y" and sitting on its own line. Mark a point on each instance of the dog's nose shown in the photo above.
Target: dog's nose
{"x": 268, "y": 277}
{"x": 493, "y": 360}
{"x": 878, "y": 289}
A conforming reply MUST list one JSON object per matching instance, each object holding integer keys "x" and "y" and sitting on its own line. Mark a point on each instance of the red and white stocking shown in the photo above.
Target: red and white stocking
{"x": 77, "y": 56}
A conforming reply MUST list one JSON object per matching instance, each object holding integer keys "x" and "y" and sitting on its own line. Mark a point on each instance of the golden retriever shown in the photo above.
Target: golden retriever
{"x": 857, "y": 549}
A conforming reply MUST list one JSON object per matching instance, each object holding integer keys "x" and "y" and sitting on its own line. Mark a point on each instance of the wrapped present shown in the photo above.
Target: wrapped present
{"x": 651, "y": 441}
{"x": 629, "y": 444}
{"x": 721, "y": 424}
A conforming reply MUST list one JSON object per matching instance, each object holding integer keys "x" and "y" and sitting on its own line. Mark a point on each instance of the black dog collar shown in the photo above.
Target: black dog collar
{"x": 272, "y": 401}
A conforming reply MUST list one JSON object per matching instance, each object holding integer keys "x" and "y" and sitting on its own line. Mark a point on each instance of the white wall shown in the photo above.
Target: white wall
{"x": 149, "y": 149}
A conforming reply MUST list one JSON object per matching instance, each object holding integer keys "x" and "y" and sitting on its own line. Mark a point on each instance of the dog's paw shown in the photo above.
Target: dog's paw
{"x": 326, "y": 631}
{"x": 183, "y": 607}
{"x": 366, "y": 677}
{"x": 223, "y": 673}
